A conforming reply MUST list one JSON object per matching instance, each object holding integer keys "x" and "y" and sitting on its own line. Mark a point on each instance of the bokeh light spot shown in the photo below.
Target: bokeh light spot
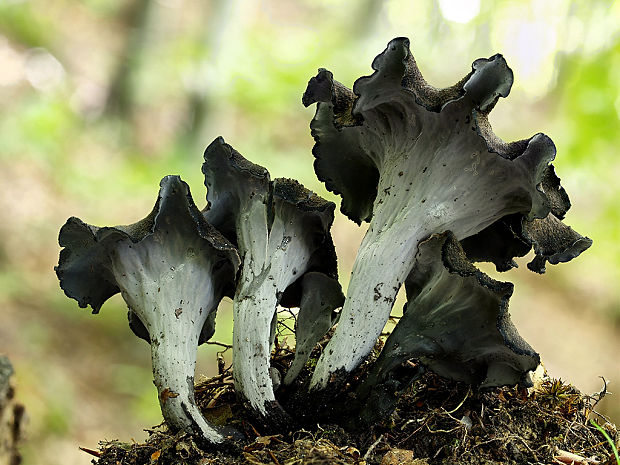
{"x": 459, "y": 11}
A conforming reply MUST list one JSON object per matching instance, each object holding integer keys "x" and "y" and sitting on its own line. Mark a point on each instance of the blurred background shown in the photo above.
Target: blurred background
{"x": 99, "y": 99}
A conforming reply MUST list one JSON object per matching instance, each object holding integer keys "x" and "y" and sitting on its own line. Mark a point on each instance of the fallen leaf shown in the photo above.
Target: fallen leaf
{"x": 351, "y": 452}
{"x": 263, "y": 441}
{"x": 96, "y": 453}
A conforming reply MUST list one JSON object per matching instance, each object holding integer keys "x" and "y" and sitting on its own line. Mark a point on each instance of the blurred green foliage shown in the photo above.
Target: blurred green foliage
{"x": 100, "y": 99}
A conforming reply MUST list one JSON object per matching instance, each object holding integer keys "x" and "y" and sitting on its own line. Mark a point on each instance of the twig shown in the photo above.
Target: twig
{"x": 209, "y": 386}
{"x": 290, "y": 312}
{"x": 412, "y": 434}
{"x": 273, "y": 457}
{"x": 434, "y": 431}
{"x": 221, "y": 344}
{"x": 285, "y": 325}
{"x": 600, "y": 415}
{"x": 205, "y": 380}
{"x": 461, "y": 403}
{"x": 216, "y": 396}
{"x": 482, "y": 443}
{"x": 371, "y": 448}
{"x": 599, "y": 395}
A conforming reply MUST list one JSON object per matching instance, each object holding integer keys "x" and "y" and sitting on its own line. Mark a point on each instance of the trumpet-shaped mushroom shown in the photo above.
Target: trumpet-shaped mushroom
{"x": 282, "y": 232}
{"x": 172, "y": 269}
{"x": 415, "y": 160}
{"x": 456, "y": 321}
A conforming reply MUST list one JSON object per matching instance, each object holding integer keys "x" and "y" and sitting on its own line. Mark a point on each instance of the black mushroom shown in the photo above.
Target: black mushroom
{"x": 282, "y": 231}
{"x": 320, "y": 297}
{"x": 456, "y": 322}
{"x": 414, "y": 160}
{"x": 172, "y": 269}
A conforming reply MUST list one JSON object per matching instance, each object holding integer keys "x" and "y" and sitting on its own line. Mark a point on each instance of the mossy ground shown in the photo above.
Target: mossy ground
{"x": 436, "y": 422}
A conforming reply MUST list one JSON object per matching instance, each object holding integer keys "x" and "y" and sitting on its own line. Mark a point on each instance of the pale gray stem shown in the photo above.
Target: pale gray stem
{"x": 173, "y": 355}
{"x": 381, "y": 266}
{"x": 253, "y": 312}
{"x": 271, "y": 262}
{"x": 173, "y": 303}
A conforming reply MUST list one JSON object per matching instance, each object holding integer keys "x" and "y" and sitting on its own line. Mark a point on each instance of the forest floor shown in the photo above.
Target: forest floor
{"x": 436, "y": 421}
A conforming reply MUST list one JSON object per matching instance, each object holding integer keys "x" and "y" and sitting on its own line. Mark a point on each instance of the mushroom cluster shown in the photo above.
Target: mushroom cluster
{"x": 416, "y": 161}
{"x": 440, "y": 192}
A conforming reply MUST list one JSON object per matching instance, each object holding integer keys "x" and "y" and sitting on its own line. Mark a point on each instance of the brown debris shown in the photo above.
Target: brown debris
{"x": 568, "y": 458}
{"x": 92, "y": 452}
{"x": 402, "y": 457}
{"x": 436, "y": 422}
{"x": 167, "y": 394}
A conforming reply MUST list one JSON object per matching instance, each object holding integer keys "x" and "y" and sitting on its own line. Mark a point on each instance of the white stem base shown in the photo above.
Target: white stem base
{"x": 174, "y": 358}
{"x": 381, "y": 266}
{"x": 253, "y": 312}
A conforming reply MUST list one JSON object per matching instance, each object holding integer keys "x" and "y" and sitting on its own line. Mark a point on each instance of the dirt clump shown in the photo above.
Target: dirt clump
{"x": 436, "y": 422}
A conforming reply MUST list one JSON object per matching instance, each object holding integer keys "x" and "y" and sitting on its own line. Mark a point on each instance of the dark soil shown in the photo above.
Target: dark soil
{"x": 436, "y": 422}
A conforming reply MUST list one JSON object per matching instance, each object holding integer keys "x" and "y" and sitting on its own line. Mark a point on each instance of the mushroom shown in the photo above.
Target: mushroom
{"x": 172, "y": 269}
{"x": 282, "y": 232}
{"x": 414, "y": 161}
{"x": 456, "y": 322}
{"x": 320, "y": 296}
